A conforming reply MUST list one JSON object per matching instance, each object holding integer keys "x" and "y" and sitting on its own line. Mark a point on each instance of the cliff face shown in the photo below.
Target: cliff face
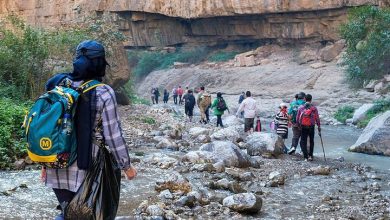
{"x": 161, "y": 22}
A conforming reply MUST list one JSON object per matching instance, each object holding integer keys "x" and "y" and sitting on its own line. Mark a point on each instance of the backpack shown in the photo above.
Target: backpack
{"x": 305, "y": 119}
{"x": 221, "y": 105}
{"x": 205, "y": 100}
{"x": 49, "y": 125}
{"x": 294, "y": 108}
{"x": 189, "y": 100}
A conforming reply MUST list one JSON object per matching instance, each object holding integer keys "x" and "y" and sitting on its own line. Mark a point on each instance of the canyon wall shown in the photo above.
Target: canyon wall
{"x": 209, "y": 22}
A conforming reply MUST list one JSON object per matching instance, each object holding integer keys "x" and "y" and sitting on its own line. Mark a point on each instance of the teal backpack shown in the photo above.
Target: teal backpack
{"x": 49, "y": 125}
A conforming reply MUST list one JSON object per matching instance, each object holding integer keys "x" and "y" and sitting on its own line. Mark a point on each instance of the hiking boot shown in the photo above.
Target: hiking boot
{"x": 310, "y": 158}
{"x": 305, "y": 159}
{"x": 291, "y": 151}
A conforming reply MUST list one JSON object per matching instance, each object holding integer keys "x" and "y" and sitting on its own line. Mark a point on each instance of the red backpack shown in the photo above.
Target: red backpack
{"x": 306, "y": 117}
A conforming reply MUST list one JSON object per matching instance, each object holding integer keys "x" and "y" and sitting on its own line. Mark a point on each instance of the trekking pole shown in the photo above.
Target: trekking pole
{"x": 322, "y": 143}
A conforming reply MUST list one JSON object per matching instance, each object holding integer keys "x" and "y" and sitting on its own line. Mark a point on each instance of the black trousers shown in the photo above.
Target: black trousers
{"x": 175, "y": 99}
{"x": 180, "y": 99}
{"x": 156, "y": 99}
{"x": 307, "y": 132}
{"x": 64, "y": 196}
{"x": 296, "y": 135}
{"x": 219, "y": 120}
{"x": 207, "y": 113}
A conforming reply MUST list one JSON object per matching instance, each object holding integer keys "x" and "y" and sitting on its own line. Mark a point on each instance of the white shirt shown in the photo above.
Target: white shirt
{"x": 249, "y": 108}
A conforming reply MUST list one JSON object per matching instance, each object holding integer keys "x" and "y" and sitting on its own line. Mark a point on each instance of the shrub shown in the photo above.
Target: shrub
{"x": 367, "y": 33}
{"x": 380, "y": 106}
{"x": 222, "y": 56}
{"x": 11, "y": 144}
{"x": 344, "y": 113}
{"x": 148, "y": 120}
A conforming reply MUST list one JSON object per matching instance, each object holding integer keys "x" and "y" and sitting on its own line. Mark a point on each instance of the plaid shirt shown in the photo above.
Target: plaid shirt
{"x": 105, "y": 108}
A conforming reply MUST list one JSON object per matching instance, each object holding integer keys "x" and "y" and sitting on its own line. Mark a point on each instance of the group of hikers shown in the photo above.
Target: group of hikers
{"x": 301, "y": 115}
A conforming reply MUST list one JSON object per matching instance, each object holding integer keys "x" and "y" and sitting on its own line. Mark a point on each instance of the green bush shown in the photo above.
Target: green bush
{"x": 148, "y": 120}
{"x": 380, "y": 106}
{"x": 367, "y": 33}
{"x": 344, "y": 113}
{"x": 145, "y": 62}
{"x": 11, "y": 144}
{"x": 222, "y": 56}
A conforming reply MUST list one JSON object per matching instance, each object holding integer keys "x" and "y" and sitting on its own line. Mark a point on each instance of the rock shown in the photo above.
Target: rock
{"x": 360, "y": 113}
{"x": 239, "y": 174}
{"x": 28, "y": 160}
{"x": 203, "y": 138}
{"x": 245, "y": 59}
{"x": 320, "y": 170}
{"x": 232, "y": 120}
{"x": 276, "y": 179}
{"x": 161, "y": 160}
{"x": 260, "y": 142}
{"x": 156, "y": 133}
{"x": 375, "y": 138}
{"x": 227, "y": 152}
{"x": 244, "y": 202}
{"x": 225, "y": 134}
{"x": 174, "y": 182}
{"x": 330, "y": 52}
{"x": 154, "y": 210}
{"x": 196, "y": 131}
{"x": 306, "y": 56}
{"x": 170, "y": 215}
{"x": 199, "y": 157}
{"x": 20, "y": 164}
{"x": 168, "y": 144}
{"x": 207, "y": 167}
{"x": 186, "y": 201}
{"x": 219, "y": 167}
{"x": 256, "y": 161}
{"x": 166, "y": 194}
{"x": 317, "y": 65}
{"x": 370, "y": 87}
{"x": 381, "y": 87}
{"x": 176, "y": 134}
{"x": 178, "y": 65}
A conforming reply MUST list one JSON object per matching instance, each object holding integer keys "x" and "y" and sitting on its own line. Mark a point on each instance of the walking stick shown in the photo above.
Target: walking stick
{"x": 322, "y": 143}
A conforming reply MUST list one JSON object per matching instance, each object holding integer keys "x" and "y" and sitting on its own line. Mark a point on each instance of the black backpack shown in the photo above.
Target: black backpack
{"x": 221, "y": 105}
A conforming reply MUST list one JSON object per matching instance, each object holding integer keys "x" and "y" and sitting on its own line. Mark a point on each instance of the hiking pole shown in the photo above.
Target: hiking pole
{"x": 322, "y": 143}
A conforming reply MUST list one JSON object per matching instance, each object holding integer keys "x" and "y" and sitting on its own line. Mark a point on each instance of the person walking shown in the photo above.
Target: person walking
{"x": 249, "y": 108}
{"x": 152, "y": 95}
{"x": 174, "y": 94}
{"x": 282, "y": 123}
{"x": 204, "y": 102}
{"x": 189, "y": 104}
{"x": 307, "y": 118}
{"x": 166, "y": 96}
{"x": 180, "y": 92}
{"x": 156, "y": 94}
{"x": 292, "y": 112}
{"x": 219, "y": 106}
{"x": 104, "y": 129}
{"x": 240, "y": 99}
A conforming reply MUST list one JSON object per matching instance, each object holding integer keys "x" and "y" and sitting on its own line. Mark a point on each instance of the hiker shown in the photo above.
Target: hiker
{"x": 219, "y": 106}
{"x": 240, "y": 99}
{"x": 292, "y": 112}
{"x": 189, "y": 104}
{"x": 166, "y": 96}
{"x": 174, "y": 94}
{"x": 204, "y": 102}
{"x": 156, "y": 95}
{"x": 282, "y": 123}
{"x": 180, "y": 94}
{"x": 307, "y": 118}
{"x": 104, "y": 129}
{"x": 249, "y": 108}
{"x": 153, "y": 96}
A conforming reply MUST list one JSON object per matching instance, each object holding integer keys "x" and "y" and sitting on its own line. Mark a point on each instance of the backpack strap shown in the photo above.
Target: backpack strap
{"x": 89, "y": 85}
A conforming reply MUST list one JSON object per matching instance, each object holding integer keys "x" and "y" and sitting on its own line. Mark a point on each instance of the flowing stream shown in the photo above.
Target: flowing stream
{"x": 38, "y": 202}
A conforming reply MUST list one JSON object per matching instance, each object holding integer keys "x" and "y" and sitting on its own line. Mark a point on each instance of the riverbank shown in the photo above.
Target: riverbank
{"x": 160, "y": 141}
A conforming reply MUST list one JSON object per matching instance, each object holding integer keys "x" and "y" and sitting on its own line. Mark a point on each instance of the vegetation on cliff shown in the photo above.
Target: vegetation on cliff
{"x": 367, "y": 33}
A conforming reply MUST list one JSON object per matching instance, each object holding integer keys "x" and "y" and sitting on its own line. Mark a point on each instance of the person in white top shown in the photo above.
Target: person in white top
{"x": 248, "y": 106}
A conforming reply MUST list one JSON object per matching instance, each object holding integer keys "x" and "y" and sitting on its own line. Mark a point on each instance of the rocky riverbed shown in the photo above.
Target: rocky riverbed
{"x": 194, "y": 171}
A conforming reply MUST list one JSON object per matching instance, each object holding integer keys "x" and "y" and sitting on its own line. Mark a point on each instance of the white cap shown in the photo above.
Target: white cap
{"x": 283, "y": 105}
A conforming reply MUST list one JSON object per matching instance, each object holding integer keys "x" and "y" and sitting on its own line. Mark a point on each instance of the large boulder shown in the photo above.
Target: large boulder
{"x": 244, "y": 202}
{"x": 174, "y": 182}
{"x": 330, "y": 52}
{"x": 360, "y": 113}
{"x": 259, "y": 143}
{"x": 229, "y": 153}
{"x": 199, "y": 157}
{"x": 375, "y": 138}
{"x": 197, "y": 131}
{"x": 232, "y": 120}
{"x": 229, "y": 133}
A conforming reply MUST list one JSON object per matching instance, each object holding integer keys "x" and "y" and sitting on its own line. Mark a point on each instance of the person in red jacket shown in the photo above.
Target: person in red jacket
{"x": 307, "y": 118}
{"x": 180, "y": 92}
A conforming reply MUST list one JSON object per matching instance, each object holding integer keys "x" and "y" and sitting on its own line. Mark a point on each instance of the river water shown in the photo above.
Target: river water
{"x": 38, "y": 202}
